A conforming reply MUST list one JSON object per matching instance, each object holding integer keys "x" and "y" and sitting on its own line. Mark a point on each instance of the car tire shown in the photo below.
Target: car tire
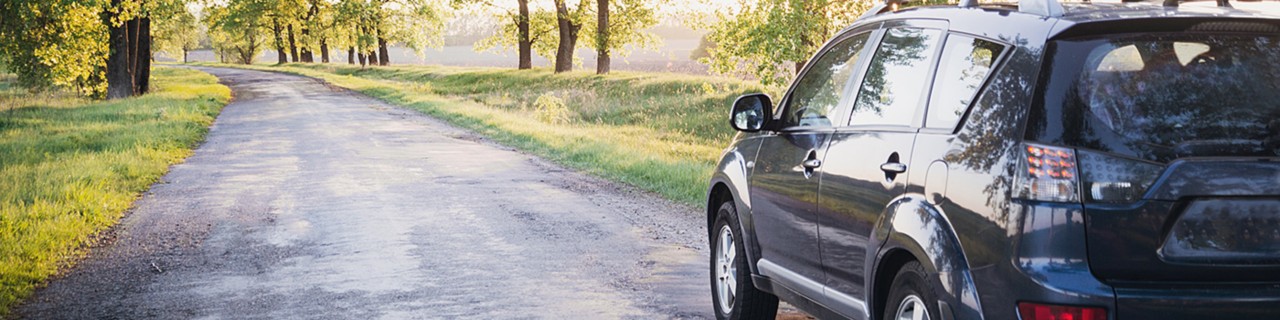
{"x": 911, "y": 294}
{"x": 732, "y": 292}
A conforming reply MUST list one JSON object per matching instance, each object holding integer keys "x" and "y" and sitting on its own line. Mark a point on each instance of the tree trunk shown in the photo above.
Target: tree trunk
{"x": 277, "y": 30}
{"x": 373, "y": 58}
{"x": 324, "y": 50}
{"x": 293, "y": 44}
{"x": 568, "y": 38}
{"x": 362, "y": 59}
{"x": 525, "y": 44}
{"x": 602, "y": 37}
{"x": 185, "y": 53}
{"x": 142, "y": 57}
{"x": 351, "y": 55}
{"x": 384, "y": 57}
{"x": 119, "y": 79}
{"x": 306, "y": 48}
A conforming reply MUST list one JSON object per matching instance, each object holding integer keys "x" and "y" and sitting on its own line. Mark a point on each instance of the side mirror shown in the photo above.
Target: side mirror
{"x": 750, "y": 112}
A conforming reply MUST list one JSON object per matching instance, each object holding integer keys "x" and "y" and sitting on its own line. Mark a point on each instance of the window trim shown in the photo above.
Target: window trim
{"x": 997, "y": 66}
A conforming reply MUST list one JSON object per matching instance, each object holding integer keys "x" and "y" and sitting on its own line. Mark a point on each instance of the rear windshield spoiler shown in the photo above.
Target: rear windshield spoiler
{"x": 1068, "y": 29}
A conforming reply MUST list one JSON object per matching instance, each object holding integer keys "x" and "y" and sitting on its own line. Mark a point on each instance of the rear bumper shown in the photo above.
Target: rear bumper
{"x": 1235, "y": 301}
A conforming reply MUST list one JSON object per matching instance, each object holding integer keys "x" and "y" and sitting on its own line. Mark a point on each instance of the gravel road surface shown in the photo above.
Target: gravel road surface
{"x": 313, "y": 202}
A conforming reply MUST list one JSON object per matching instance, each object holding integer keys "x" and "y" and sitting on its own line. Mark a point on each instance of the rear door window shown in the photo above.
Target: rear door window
{"x": 966, "y": 62}
{"x": 896, "y": 77}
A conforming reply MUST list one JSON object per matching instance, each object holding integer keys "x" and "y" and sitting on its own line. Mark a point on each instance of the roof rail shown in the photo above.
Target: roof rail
{"x": 1042, "y": 7}
{"x": 1048, "y": 8}
{"x": 1174, "y": 3}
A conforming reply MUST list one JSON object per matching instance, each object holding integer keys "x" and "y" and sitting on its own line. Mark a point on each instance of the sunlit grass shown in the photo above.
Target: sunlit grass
{"x": 660, "y": 132}
{"x": 70, "y": 168}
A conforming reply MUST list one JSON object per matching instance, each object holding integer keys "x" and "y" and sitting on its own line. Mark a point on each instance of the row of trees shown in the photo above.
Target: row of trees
{"x": 557, "y": 32}
{"x": 299, "y": 30}
{"x": 103, "y": 48}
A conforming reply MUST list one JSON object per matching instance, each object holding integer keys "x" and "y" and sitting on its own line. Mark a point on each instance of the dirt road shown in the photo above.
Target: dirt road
{"x": 311, "y": 202}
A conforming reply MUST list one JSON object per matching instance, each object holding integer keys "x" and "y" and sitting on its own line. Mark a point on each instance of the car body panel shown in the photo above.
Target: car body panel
{"x": 983, "y": 249}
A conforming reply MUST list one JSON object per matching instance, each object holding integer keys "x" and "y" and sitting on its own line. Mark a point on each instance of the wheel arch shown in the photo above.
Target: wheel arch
{"x": 916, "y": 230}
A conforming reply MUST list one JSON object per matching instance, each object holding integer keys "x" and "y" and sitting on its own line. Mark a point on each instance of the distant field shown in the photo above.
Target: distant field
{"x": 673, "y": 57}
{"x": 661, "y": 132}
{"x": 70, "y": 168}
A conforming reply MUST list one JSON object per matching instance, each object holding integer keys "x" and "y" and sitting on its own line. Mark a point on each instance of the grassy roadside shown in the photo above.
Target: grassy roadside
{"x": 69, "y": 168}
{"x": 660, "y": 132}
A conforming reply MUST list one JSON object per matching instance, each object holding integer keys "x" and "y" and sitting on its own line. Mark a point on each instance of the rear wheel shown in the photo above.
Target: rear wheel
{"x": 733, "y": 294}
{"x": 910, "y": 297}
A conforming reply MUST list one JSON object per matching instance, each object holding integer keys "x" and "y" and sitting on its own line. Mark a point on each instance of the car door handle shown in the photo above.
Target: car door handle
{"x": 893, "y": 167}
{"x": 812, "y": 164}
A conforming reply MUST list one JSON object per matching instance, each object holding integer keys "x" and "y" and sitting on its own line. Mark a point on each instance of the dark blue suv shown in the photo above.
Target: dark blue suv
{"x": 1027, "y": 161}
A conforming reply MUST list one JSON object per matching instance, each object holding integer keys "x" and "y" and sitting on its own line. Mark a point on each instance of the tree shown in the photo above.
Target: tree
{"x": 62, "y": 44}
{"x": 128, "y": 70}
{"x": 540, "y": 35}
{"x": 602, "y": 36}
{"x": 55, "y": 44}
{"x": 283, "y": 15}
{"x": 622, "y": 27}
{"x": 568, "y": 24}
{"x": 774, "y": 38}
{"x": 521, "y": 35}
{"x": 374, "y": 25}
{"x": 238, "y": 27}
{"x": 178, "y": 35}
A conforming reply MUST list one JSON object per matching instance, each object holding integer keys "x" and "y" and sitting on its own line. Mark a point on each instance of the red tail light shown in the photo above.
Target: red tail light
{"x": 1048, "y": 174}
{"x": 1039, "y": 311}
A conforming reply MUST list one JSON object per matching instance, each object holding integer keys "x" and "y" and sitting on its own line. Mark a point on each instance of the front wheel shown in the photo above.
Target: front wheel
{"x": 733, "y": 294}
{"x": 910, "y": 297}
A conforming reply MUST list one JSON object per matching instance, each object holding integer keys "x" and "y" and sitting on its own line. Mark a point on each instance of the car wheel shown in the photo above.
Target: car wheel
{"x": 910, "y": 297}
{"x": 733, "y": 294}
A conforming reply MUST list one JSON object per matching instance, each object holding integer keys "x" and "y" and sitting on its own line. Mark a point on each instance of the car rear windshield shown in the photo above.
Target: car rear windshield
{"x": 1161, "y": 97}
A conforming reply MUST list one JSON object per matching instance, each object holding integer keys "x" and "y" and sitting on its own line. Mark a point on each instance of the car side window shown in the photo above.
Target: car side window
{"x": 825, "y": 86}
{"x": 896, "y": 77}
{"x": 966, "y": 62}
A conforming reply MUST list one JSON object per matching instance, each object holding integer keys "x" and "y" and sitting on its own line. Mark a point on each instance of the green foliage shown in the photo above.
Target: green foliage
{"x": 55, "y": 44}
{"x": 177, "y": 34}
{"x": 238, "y": 29}
{"x": 69, "y": 168}
{"x": 542, "y": 34}
{"x": 767, "y": 38}
{"x": 418, "y": 24}
{"x": 62, "y": 45}
{"x": 628, "y": 20}
{"x": 550, "y": 109}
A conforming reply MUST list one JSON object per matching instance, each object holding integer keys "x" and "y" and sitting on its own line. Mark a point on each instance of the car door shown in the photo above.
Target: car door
{"x": 865, "y": 167}
{"x": 784, "y": 181}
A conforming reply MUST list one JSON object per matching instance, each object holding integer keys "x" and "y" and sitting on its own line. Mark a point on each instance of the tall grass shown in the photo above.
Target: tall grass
{"x": 69, "y": 168}
{"x": 660, "y": 132}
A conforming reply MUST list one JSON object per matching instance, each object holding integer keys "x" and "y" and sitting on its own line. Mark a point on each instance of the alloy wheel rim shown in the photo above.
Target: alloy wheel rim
{"x": 912, "y": 308}
{"x": 726, "y": 271}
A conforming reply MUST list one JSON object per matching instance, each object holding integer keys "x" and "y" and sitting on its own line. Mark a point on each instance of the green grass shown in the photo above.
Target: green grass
{"x": 660, "y": 132}
{"x": 70, "y": 168}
